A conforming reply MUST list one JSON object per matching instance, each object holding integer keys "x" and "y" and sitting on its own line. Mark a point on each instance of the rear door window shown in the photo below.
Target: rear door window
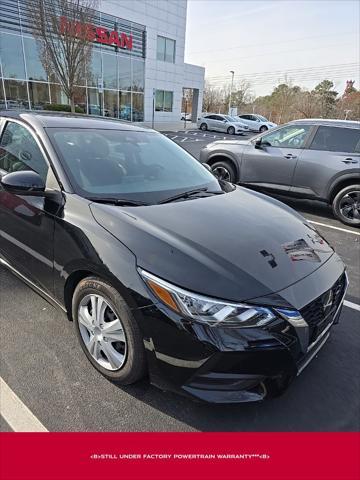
{"x": 336, "y": 139}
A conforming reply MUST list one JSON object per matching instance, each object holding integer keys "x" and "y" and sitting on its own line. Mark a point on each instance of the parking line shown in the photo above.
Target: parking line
{"x": 16, "y": 413}
{"x": 335, "y": 228}
{"x": 355, "y": 306}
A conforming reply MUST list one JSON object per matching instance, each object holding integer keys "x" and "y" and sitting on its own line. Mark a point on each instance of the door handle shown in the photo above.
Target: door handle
{"x": 290, "y": 155}
{"x": 349, "y": 160}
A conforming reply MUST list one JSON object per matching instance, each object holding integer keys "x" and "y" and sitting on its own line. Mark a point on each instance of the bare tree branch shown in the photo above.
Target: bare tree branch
{"x": 62, "y": 29}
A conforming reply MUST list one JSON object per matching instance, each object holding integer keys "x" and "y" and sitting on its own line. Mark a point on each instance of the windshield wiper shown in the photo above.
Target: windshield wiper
{"x": 189, "y": 194}
{"x": 117, "y": 201}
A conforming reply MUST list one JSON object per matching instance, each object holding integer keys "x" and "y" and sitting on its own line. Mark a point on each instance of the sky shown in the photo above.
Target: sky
{"x": 265, "y": 41}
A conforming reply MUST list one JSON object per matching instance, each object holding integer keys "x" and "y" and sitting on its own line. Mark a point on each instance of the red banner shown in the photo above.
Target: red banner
{"x": 164, "y": 456}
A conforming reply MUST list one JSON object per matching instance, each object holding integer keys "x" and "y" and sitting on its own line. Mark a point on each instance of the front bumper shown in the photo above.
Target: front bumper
{"x": 231, "y": 365}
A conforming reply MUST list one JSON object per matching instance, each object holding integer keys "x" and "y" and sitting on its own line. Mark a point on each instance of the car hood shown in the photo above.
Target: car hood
{"x": 236, "y": 246}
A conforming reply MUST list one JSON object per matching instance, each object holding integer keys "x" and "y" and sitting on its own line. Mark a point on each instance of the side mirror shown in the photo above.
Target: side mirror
{"x": 207, "y": 166}
{"x": 258, "y": 144}
{"x": 23, "y": 182}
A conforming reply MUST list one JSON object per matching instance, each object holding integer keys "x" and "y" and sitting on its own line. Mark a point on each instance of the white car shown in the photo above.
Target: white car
{"x": 222, "y": 123}
{"x": 186, "y": 116}
{"x": 258, "y": 123}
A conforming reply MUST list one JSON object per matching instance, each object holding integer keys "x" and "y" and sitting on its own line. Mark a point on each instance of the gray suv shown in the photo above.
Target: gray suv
{"x": 313, "y": 159}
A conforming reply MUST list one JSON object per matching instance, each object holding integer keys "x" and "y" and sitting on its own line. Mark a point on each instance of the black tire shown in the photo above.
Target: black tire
{"x": 224, "y": 170}
{"x": 348, "y": 197}
{"x": 203, "y": 127}
{"x": 231, "y": 131}
{"x": 263, "y": 128}
{"x": 134, "y": 366}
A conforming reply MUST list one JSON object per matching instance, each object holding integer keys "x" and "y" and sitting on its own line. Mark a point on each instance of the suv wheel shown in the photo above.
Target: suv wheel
{"x": 231, "y": 131}
{"x": 224, "y": 171}
{"x": 107, "y": 331}
{"x": 263, "y": 128}
{"x": 203, "y": 127}
{"x": 346, "y": 205}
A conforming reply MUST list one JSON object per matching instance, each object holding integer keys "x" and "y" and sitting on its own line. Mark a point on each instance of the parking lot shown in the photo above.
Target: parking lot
{"x": 44, "y": 366}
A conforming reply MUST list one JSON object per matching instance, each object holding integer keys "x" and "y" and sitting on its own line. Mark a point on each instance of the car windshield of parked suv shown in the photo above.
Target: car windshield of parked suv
{"x": 136, "y": 165}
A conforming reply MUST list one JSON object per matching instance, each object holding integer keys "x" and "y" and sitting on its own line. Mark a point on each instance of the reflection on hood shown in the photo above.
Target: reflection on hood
{"x": 300, "y": 250}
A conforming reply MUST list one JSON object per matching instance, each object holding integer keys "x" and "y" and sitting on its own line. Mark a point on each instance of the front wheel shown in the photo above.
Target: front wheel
{"x": 231, "y": 131}
{"x": 108, "y": 332}
{"x": 263, "y": 128}
{"x": 224, "y": 171}
{"x": 346, "y": 205}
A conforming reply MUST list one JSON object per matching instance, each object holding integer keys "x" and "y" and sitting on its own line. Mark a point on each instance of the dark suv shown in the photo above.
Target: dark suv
{"x": 315, "y": 159}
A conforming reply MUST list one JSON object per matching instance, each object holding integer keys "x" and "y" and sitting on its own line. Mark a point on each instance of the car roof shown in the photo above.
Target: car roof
{"x": 328, "y": 122}
{"x": 47, "y": 119}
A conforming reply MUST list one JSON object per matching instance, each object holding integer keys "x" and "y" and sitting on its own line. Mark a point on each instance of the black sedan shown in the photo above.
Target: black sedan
{"x": 217, "y": 292}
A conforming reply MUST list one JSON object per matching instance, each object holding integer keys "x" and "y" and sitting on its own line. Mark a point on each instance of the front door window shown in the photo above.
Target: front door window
{"x": 291, "y": 136}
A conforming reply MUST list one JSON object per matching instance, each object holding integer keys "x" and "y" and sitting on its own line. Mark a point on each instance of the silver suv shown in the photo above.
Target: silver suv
{"x": 222, "y": 123}
{"x": 315, "y": 159}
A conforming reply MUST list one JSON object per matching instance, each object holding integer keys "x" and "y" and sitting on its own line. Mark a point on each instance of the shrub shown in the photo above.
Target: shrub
{"x": 60, "y": 107}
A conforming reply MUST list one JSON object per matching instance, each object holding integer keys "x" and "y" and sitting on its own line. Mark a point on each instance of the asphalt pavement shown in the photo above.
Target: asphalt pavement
{"x": 43, "y": 364}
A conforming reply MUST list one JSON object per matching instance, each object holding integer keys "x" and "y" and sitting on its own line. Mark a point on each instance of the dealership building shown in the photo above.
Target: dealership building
{"x": 137, "y": 70}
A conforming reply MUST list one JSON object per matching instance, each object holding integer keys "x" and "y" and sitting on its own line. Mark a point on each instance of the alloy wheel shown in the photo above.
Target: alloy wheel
{"x": 102, "y": 332}
{"x": 222, "y": 173}
{"x": 349, "y": 206}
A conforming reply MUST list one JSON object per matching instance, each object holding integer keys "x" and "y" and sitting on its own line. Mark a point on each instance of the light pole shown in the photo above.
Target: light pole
{"x": 231, "y": 88}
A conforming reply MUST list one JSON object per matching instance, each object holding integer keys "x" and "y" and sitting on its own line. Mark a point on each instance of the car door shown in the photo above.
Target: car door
{"x": 271, "y": 165}
{"x": 247, "y": 120}
{"x": 210, "y": 121}
{"x": 255, "y": 123}
{"x": 219, "y": 123}
{"x": 333, "y": 151}
{"x": 27, "y": 222}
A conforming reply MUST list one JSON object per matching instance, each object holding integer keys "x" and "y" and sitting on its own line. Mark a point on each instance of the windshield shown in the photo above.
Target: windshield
{"x": 136, "y": 165}
{"x": 231, "y": 119}
{"x": 263, "y": 119}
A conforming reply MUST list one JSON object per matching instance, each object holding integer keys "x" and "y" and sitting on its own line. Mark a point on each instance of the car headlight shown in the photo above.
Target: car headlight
{"x": 204, "y": 309}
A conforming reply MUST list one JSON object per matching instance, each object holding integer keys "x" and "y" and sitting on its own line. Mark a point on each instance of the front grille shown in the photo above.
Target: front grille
{"x": 320, "y": 312}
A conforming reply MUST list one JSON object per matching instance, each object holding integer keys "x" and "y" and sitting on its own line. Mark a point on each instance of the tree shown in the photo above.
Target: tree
{"x": 349, "y": 104}
{"x": 64, "y": 33}
{"x": 212, "y": 98}
{"x": 241, "y": 95}
{"x": 327, "y": 97}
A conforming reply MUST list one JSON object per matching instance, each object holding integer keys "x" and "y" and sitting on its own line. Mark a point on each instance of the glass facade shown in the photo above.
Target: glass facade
{"x": 113, "y": 85}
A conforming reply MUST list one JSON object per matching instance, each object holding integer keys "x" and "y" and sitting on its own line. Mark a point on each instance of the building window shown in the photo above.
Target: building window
{"x": 110, "y": 73}
{"x": 137, "y": 76}
{"x": 12, "y": 56}
{"x": 163, "y": 101}
{"x": 34, "y": 67}
{"x": 165, "y": 49}
{"x": 125, "y": 105}
{"x": 124, "y": 66}
{"x": 111, "y": 103}
{"x": 39, "y": 95}
{"x": 137, "y": 107}
{"x": 16, "y": 94}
